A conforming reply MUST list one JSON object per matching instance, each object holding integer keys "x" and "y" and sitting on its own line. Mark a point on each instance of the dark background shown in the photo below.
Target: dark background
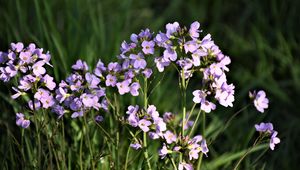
{"x": 261, "y": 37}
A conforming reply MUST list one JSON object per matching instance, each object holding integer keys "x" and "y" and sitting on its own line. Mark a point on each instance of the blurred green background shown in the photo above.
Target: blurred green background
{"x": 261, "y": 37}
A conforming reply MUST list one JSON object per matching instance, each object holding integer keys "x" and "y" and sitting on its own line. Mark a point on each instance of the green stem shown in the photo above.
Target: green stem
{"x": 144, "y": 133}
{"x": 127, "y": 156}
{"x": 247, "y": 152}
{"x": 203, "y": 135}
{"x": 88, "y": 140}
{"x": 195, "y": 122}
{"x": 200, "y": 161}
{"x": 172, "y": 161}
{"x": 80, "y": 153}
{"x": 39, "y": 140}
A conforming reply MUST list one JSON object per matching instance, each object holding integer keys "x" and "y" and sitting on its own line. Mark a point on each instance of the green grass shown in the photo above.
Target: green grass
{"x": 260, "y": 36}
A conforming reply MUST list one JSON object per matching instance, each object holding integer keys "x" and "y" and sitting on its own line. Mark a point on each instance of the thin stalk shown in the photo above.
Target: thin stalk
{"x": 190, "y": 114}
{"x": 127, "y": 156}
{"x": 182, "y": 86}
{"x": 203, "y": 134}
{"x": 247, "y": 152}
{"x": 63, "y": 143}
{"x": 195, "y": 122}
{"x": 39, "y": 140}
{"x": 144, "y": 133}
{"x": 88, "y": 140}
{"x": 80, "y": 153}
{"x": 199, "y": 161}
{"x": 228, "y": 122}
{"x": 173, "y": 163}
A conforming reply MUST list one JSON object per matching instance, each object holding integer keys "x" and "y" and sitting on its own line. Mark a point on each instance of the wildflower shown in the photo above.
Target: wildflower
{"x": 134, "y": 89}
{"x": 21, "y": 121}
{"x": 148, "y": 47}
{"x": 170, "y": 137}
{"x": 186, "y": 166}
{"x": 98, "y": 118}
{"x": 143, "y": 124}
{"x": 264, "y": 127}
{"x": 80, "y": 65}
{"x": 163, "y": 152}
{"x": 49, "y": 83}
{"x": 138, "y": 61}
{"x": 111, "y": 80}
{"x": 172, "y": 28}
{"x": 170, "y": 55}
{"x": 261, "y": 101}
{"x": 123, "y": 87}
{"x": 136, "y": 146}
{"x": 274, "y": 140}
{"x": 194, "y": 30}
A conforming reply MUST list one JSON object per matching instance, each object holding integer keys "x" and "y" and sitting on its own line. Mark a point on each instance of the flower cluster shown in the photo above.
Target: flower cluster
{"x": 81, "y": 91}
{"x": 267, "y": 128}
{"x": 28, "y": 65}
{"x": 132, "y": 63}
{"x": 157, "y": 127}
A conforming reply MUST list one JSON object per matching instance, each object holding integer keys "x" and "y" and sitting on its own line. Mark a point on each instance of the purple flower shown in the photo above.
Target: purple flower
{"x": 145, "y": 34}
{"x": 49, "y": 83}
{"x": 77, "y": 114}
{"x": 172, "y": 28}
{"x": 163, "y": 152}
{"x": 59, "y": 110}
{"x": 100, "y": 68}
{"x": 148, "y": 47}
{"x": 80, "y": 65}
{"x": 194, "y": 153}
{"x": 123, "y": 87}
{"x": 92, "y": 80}
{"x": 186, "y": 166}
{"x": 225, "y": 94}
{"x": 191, "y": 46}
{"x": 151, "y": 110}
{"x": 143, "y": 124}
{"x": 89, "y": 101}
{"x": 194, "y": 30}
{"x": 136, "y": 146}
{"x": 133, "y": 120}
{"x": 134, "y": 38}
{"x": 47, "y": 101}
{"x": 111, "y": 80}
{"x": 261, "y": 101}
{"x": 264, "y": 127}
{"x": 138, "y": 61}
{"x": 147, "y": 72}
{"x": 170, "y": 137}
{"x": 18, "y": 47}
{"x": 98, "y": 118}
{"x": 134, "y": 89}
{"x": 274, "y": 140}
{"x": 38, "y": 68}
{"x": 21, "y": 121}
{"x": 61, "y": 94}
{"x": 207, "y": 106}
{"x": 161, "y": 63}
{"x": 199, "y": 96}
{"x": 168, "y": 116}
{"x": 170, "y": 55}
{"x": 114, "y": 66}
{"x": 25, "y": 57}
{"x": 18, "y": 94}
{"x": 132, "y": 109}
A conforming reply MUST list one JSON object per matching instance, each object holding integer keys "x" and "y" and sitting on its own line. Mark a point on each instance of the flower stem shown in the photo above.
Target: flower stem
{"x": 127, "y": 156}
{"x": 194, "y": 124}
{"x": 247, "y": 152}
{"x": 88, "y": 140}
{"x": 144, "y": 133}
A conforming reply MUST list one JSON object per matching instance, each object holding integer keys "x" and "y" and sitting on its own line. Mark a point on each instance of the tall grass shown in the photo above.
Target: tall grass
{"x": 260, "y": 36}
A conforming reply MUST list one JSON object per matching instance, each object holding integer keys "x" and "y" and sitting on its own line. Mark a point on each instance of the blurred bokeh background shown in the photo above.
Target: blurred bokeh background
{"x": 261, "y": 37}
